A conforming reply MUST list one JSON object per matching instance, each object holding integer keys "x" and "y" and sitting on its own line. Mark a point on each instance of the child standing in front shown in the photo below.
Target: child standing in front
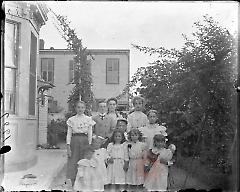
{"x": 136, "y": 148}
{"x": 122, "y": 126}
{"x": 79, "y": 136}
{"x": 87, "y": 179}
{"x": 137, "y": 118}
{"x": 152, "y": 128}
{"x": 118, "y": 162}
{"x": 156, "y": 164}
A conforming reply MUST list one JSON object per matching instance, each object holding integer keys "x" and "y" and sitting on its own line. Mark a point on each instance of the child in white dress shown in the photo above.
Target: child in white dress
{"x": 156, "y": 164}
{"x": 122, "y": 126}
{"x": 87, "y": 178}
{"x": 136, "y": 148}
{"x": 137, "y": 118}
{"x": 152, "y": 129}
{"x": 117, "y": 164}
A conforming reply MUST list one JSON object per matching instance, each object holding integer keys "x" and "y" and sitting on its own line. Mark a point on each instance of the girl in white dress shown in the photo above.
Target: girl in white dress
{"x": 137, "y": 118}
{"x": 87, "y": 179}
{"x": 156, "y": 164}
{"x": 136, "y": 148}
{"x": 152, "y": 129}
{"x": 117, "y": 164}
{"x": 102, "y": 156}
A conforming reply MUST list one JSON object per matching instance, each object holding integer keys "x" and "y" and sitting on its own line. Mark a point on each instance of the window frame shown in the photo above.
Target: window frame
{"x": 47, "y": 58}
{"x": 14, "y": 68}
{"x": 71, "y": 71}
{"x": 118, "y": 79}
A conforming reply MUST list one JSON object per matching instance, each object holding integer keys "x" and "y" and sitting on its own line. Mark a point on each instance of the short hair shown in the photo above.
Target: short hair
{"x": 82, "y": 102}
{"x": 112, "y": 99}
{"x": 138, "y": 98}
{"x": 158, "y": 138}
{"x": 140, "y": 138}
{"x": 114, "y": 133}
{"x": 152, "y": 111}
{"x": 122, "y": 119}
{"x": 101, "y": 101}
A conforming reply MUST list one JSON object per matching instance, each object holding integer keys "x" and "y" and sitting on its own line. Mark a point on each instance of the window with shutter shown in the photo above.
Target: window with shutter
{"x": 112, "y": 71}
{"x": 47, "y": 69}
{"x": 71, "y": 71}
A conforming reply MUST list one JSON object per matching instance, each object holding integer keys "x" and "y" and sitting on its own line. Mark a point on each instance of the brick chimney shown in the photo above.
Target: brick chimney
{"x": 41, "y": 44}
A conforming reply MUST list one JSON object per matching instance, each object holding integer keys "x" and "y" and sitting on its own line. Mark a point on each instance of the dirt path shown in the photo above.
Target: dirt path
{"x": 176, "y": 180}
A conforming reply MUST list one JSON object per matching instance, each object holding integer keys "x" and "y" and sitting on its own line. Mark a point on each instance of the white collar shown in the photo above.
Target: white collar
{"x": 87, "y": 162}
{"x": 80, "y": 115}
{"x": 156, "y": 150}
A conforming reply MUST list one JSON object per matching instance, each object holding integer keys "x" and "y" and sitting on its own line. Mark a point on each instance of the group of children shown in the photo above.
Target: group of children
{"x": 107, "y": 151}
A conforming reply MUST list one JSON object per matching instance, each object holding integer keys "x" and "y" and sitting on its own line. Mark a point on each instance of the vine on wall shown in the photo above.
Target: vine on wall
{"x": 82, "y": 70}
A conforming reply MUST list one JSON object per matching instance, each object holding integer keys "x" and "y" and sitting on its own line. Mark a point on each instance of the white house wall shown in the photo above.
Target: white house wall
{"x": 100, "y": 89}
{"x": 23, "y": 127}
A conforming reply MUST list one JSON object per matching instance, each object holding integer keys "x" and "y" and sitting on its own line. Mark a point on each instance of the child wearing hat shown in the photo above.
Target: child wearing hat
{"x": 121, "y": 125}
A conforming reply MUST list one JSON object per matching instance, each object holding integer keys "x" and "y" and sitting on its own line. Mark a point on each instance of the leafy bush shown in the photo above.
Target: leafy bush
{"x": 57, "y": 129}
{"x": 193, "y": 91}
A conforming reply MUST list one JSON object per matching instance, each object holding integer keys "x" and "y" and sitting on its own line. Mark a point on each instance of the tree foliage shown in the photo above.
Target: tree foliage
{"x": 193, "y": 91}
{"x": 82, "y": 72}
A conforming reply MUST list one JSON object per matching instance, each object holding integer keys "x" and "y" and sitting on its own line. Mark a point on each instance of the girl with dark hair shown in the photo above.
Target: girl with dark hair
{"x": 156, "y": 164}
{"x": 136, "y": 148}
{"x": 117, "y": 163}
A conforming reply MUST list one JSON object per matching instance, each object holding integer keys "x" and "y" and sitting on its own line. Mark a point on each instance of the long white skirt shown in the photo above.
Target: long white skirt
{"x": 115, "y": 172}
{"x": 156, "y": 179}
{"x": 135, "y": 173}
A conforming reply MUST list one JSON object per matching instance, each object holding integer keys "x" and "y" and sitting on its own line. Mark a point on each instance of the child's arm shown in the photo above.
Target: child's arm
{"x": 69, "y": 135}
{"x": 166, "y": 156}
{"x": 146, "y": 121}
{"x": 109, "y": 150}
{"x": 69, "y": 131}
{"x": 90, "y": 135}
{"x": 112, "y": 127}
{"x": 94, "y": 126}
{"x": 172, "y": 147}
{"x": 144, "y": 149}
{"x": 129, "y": 125}
{"x": 147, "y": 163}
{"x": 126, "y": 157}
{"x": 91, "y": 123}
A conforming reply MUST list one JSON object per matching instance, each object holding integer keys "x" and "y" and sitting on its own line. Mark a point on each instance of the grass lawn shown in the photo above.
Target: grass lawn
{"x": 211, "y": 177}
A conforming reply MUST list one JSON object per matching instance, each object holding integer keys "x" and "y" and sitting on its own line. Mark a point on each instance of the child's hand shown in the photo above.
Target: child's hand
{"x": 172, "y": 147}
{"x": 125, "y": 167}
{"x": 69, "y": 152}
{"x": 147, "y": 168}
{"x": 163, "y": 161}
{"x": 110, "y": 160}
